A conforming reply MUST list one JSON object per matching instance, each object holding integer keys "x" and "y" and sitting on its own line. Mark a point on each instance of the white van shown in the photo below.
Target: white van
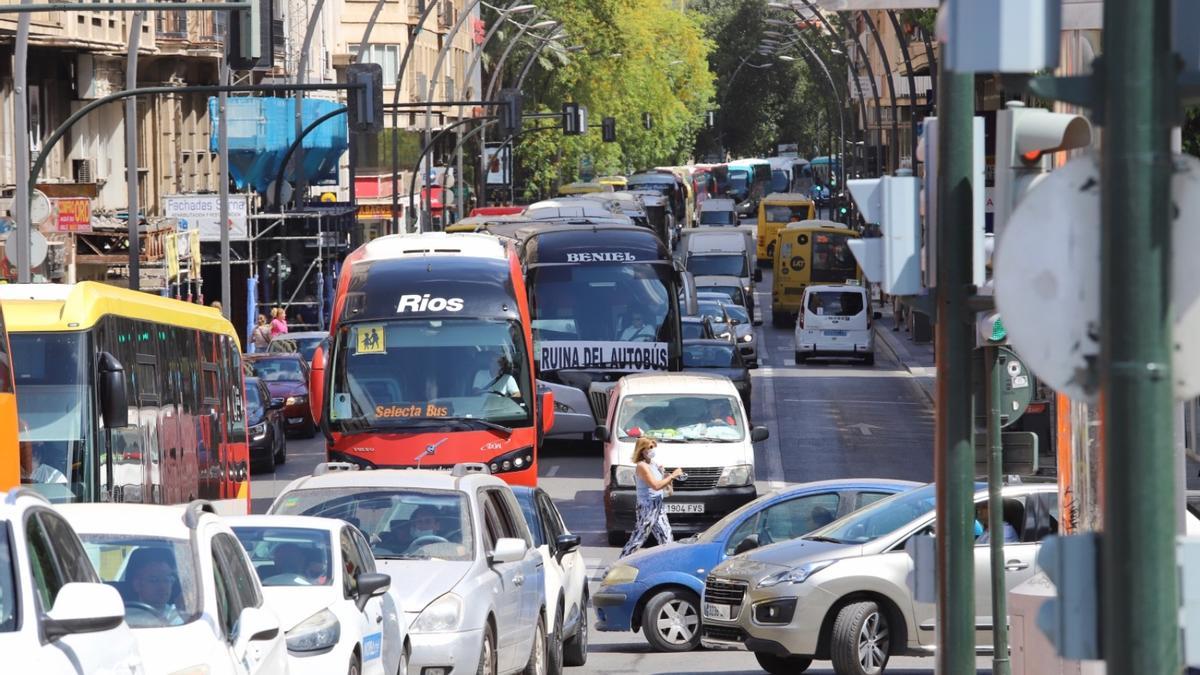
{"x": 835, "y": 320}
{"x": 709, "y": 251}
{"x": 701, "y": 427}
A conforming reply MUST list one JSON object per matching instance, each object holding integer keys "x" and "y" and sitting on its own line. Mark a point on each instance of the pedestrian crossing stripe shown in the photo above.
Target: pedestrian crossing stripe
{"x": 370, "y": 339}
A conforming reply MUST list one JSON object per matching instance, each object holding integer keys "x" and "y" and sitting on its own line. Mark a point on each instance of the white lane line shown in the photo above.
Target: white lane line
{"x": 553, "y": 471}
{"x": 773, "y": 453}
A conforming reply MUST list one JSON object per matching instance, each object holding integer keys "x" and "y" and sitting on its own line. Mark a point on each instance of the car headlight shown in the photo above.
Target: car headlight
{"x": 258, "y": 431}
{"x": 624, "y": 476}
{"x": 442, "y": 615}
{"x": 735, "y": 476}
{"x": 319, "y": 631}
{"x": 796, "y": 575}
{"x": 293, "y": 400}
{"x": 620, "y": 574}
{"x": 748, "y": 337}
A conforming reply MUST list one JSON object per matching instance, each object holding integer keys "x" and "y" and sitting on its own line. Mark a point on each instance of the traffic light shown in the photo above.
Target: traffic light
{"x": 647, "y": 121}
{"x": 608, "y": 129}
{"x": 249, "y": 44}
{"x": 893, "y": 259}
{"x": 1025, "y": 139}
{"x": 710, "y": 119}
{"x": 927, "y": 151}
{"x": 364, "y": 106}
{"x": 510, "y": 112}
{"x": 574, "y": 119}
{"x": 1070, "y": 620}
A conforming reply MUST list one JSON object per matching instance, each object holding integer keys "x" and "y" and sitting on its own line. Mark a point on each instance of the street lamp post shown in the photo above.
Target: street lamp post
{"x": 412, "y": 41}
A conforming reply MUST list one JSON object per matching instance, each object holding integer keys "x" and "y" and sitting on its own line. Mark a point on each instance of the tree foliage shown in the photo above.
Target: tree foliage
{"x": 639, "y": 56}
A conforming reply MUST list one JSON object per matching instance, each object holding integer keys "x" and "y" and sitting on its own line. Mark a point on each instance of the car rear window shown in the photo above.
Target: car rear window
{"x": 835, "y": 303}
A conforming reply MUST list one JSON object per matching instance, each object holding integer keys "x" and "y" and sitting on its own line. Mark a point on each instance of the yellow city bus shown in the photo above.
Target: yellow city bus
{"x": 126, "y": 397}
{"x": 10, "y": 472}
{"x": 774, "y": 211}
{"x": 810, "y": 252}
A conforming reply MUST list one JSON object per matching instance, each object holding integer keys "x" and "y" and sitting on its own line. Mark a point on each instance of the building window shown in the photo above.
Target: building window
{"x": 388, "y": 58}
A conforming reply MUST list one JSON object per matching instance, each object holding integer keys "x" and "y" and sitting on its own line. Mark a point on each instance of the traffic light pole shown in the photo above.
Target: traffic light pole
{"x": 994, "y": 377}
{"x": 1140, "y": 594}
{"x": 954, "y": 450}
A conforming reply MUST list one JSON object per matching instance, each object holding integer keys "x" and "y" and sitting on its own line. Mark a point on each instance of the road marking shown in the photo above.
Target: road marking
{"x": 773, "y": 453}
{"x": 552, "y": 472}
{"x": 864, "y": 428}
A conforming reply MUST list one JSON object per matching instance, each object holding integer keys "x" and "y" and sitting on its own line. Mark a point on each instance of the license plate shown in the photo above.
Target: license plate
{"x": 719, "y": 612}
{"x": 674, "y": 507}
{"x": 836, "y": 333}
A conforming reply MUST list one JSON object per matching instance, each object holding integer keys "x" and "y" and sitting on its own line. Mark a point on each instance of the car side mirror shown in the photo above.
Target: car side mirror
{"x": 877, "y": 315}
{"x": 114, "y": 396}
{"x": 507, "y": 550}
{"x": 566, "y": 543}
{"x": 256, "y": 624}
{"x": 748, "y": 544}
{"x": 316, "y": 380}
{"x": 546, "y": 402}
{"x": 758, "y": 274}
{"x": 370, "y": 584}
{"x": 601, "y": 433}
{"x": 83, "y": 608}
{"x": 759, "y": 434}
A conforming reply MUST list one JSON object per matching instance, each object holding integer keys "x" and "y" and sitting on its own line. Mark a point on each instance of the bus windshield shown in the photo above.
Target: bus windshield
{"x": 417, "y": 372}
{"x": 54, "y": 397}
{"x": 780, "y": 181}
{"x": 832, "y": 259}
{"x": 603, "y": 303}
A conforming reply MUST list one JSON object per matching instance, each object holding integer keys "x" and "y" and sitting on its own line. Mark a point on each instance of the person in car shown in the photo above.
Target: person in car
{"x": 718, "y": 413}
{"x": 33, "y": 468}
{"x": 637, "y": 330}
{"x": 499, "y": 379}
{"x": 152, "y": 579}
{"x": 289, "y": 559}
{"x": 423, "y": 523}
{"x": 981, "y": 516}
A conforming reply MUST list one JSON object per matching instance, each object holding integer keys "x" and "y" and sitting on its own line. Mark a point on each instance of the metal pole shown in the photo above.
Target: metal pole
{"x": 866, "y": 59}
{"x": 954, "y": 448}
{"x": 412, "y": 41}
{"x": 838, "y": 101}
{"x": 223, "y": 188}
{"x": 131, "y": 151}
{"x": 476, "y": 57}
{"x": 21, "y": 129}
{"x": 887, "y": 69}
{"x": 441, "y": 132}
{"x": 302, "y": 66}
{"x": 994, "y": 376}
{"x": 1140, "y": 593}
{"x": 912, "y": 86}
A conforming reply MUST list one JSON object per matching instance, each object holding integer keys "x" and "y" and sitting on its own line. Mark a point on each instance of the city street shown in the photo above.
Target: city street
{"x": 832, "y": 419}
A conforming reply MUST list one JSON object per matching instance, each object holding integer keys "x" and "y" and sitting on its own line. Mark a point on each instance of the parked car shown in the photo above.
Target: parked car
{"x": 566, "y": 579}
{"x": 55, "y": 615}
{"x": 264, "y": 420}
{"x": 470, "y": 583}
{"x": 303, "y": 343}
{"x": 697, "y": 328}
{"x": 191, "y": 595}
{"x": 658, "y": 590}
{"x": 718, "y": 357}
{"x": 286, "y": 377}
{"x": 318, "y": 574}
{"x": 841, "y": 592}
{"x": 700, "y": 425}
{"x": 835, "y": 321}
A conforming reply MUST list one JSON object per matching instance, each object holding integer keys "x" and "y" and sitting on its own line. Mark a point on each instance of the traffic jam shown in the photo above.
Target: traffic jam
{"x": 623, "y": 322}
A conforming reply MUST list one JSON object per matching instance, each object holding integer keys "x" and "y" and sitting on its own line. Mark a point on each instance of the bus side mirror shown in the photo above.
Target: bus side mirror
{"x": 114, "y": 395}
{"x": 316, "y": 382}
{"x": 546, "y": 404}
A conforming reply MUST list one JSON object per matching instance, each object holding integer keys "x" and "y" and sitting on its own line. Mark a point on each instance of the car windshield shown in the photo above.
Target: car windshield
{"x": 8, "y": 584}
{"x": 716, "y": 218}
{"x": 835, "y": 303}
{"x": 278, "y": 370}
{"x": 680, "y": 418}
{"x": 400, "y": 523}
{"x": 693, "y": 330}
{"x": 156, "y": 577}
{"x": 713, "y": 265}
{"x": 878, "y": 519}
{"x": 305, "y": 346}
{"x": 422, "y": 372}
{"x": 288, "y": 556}
{"x": 710, "y": 356}
{"x": 54, "y": 397}
{"x": 737, "y": 313}
{"x": 711, "y": 310}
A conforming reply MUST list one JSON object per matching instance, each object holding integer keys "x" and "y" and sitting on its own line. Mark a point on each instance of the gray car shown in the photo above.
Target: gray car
{"x": 841, "y": 592}
{"x": 464, "y": 571}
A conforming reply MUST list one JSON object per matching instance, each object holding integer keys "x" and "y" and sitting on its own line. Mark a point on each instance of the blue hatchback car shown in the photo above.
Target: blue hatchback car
{"x": 658, "y": 590}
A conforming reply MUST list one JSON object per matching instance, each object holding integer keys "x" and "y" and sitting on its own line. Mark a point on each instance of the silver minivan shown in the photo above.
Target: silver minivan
{"x": 711, "y": 251}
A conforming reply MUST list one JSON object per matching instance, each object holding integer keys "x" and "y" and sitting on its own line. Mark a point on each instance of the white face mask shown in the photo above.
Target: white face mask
{"x": 650, "y": 455}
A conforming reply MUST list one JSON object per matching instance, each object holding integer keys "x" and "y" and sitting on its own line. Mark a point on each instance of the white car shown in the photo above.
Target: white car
{"x": 566, "y": 579}
{"x": 190, "y": 593}
{"x": 466, "y": 574}
{"x": 319, "y": 576}
{"x": 835, "y": 320}
{"x": 55, "y": 615}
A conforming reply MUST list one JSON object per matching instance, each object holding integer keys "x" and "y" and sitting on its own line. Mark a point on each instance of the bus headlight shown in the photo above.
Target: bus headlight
{"x": 517, "y": 460}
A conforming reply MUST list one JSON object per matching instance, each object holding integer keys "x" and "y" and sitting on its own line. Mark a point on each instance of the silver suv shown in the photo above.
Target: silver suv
{"x": 464, "y": 570}
{"x": 841, "y": 592}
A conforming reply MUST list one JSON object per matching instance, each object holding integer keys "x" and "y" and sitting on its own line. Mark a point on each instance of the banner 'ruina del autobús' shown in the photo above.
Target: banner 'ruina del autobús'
{"x": 629, "y": 356}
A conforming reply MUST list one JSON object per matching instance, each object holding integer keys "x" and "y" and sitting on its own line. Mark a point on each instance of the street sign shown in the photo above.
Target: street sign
{"x": 1047, "y": 276}
{"x": 38, "y": 248}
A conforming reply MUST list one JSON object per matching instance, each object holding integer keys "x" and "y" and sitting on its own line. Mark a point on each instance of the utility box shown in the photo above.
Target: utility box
{"x": 1030, "y": 651}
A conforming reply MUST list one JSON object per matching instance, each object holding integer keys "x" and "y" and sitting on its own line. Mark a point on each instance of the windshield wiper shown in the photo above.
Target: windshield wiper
{"x": 403, "y": 556}
{"x": 828, "y": 540}
{"x": 507, "y": 431}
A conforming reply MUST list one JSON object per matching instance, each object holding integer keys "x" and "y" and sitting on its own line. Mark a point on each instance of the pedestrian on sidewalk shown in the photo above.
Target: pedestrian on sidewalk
{"x": 278, "y": 322}
{"x": 260, "y": 339}
{"x": 652, "y": 487}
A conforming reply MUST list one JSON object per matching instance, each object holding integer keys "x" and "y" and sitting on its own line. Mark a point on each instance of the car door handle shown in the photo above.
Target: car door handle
{"x": 1015, "y": 565}
{"x": 379, "y": 619}
{"x": 519, "y": 580}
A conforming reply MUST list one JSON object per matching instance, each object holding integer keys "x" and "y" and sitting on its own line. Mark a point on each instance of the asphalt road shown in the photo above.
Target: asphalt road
{"x": 827, "y": 420}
